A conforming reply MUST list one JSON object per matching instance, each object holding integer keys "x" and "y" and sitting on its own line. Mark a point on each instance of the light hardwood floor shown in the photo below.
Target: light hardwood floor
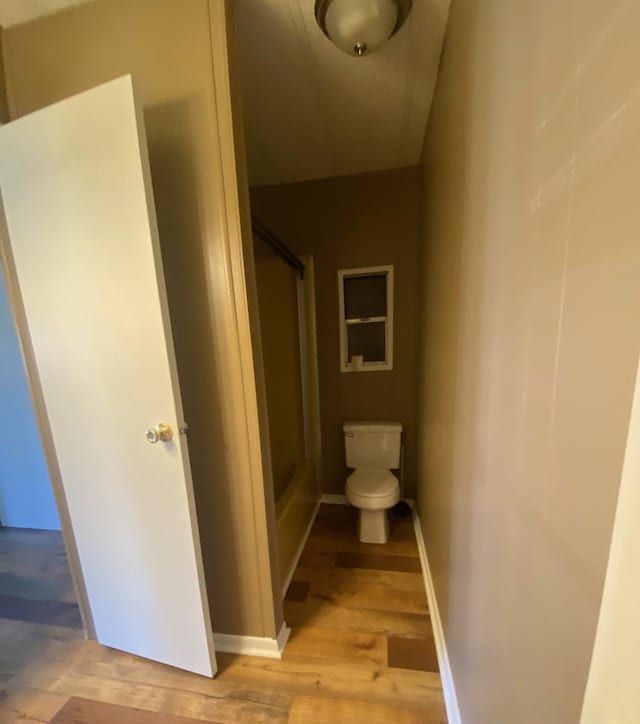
{"x": 361, "y": 648}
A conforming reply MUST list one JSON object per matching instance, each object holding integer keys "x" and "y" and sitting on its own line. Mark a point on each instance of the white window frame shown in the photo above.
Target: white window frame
{"x": 345, "y": 364}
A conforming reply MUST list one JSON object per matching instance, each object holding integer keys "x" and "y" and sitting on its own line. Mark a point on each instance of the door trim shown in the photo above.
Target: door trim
{"x": 235, "y": 226}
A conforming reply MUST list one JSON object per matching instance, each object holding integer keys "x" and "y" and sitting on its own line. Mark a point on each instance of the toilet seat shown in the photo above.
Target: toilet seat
{"x": 372, "y": 489}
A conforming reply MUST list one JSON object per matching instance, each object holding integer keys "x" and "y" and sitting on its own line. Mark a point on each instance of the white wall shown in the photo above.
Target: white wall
{"x": 613, "y": 695}
{"x": 26, "y": 497}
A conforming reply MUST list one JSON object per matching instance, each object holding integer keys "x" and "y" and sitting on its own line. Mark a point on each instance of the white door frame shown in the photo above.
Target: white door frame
{"x": 244, "y": 386}
{"x": 612, "y": 693}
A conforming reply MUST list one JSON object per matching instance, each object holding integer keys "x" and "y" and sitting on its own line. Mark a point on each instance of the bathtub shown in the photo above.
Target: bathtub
{"x": 295, "y": 510}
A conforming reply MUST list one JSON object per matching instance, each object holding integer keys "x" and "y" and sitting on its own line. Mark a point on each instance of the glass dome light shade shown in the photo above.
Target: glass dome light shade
{"x": 359, "y": 27}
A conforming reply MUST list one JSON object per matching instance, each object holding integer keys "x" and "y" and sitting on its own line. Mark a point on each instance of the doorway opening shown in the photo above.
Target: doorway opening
{"x": 38, "y": 602}
{"x": 102, "y": 373}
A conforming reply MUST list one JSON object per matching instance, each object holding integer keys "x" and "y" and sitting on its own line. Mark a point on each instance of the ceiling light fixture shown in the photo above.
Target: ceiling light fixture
{"x": 358, "y": 27}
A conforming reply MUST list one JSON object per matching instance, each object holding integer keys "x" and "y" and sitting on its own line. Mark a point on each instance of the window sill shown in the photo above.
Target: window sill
{"x": 369, "y": 367}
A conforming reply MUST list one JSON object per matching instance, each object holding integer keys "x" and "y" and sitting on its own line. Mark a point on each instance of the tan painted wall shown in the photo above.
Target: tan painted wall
{"x": 531, "y": 340}
{"x": 347, "y": 222}
{"x": 166, "y": 45}
{"x": 280, "y": 335}
{"x": 4, "y": 111}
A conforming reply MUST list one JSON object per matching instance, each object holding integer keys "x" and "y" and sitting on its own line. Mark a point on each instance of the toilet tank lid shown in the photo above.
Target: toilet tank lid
{"x": 364, "y": 426}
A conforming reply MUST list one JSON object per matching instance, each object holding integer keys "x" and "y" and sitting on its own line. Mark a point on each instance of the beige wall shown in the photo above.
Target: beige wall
{"x": 531, "y": 340}
{"x": 280, "y": 335}
{"x": 346, "y": 222}
{"x": 166, "y": 45}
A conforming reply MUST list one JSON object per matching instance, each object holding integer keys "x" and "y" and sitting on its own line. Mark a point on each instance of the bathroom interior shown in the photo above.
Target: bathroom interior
{"x": 507, "y": 212}
{"x": 367, "y": 224}
{"x": 337, "y": 248}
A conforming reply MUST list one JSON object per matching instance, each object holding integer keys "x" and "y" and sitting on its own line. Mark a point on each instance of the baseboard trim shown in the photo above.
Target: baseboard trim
{"x": 253, "y": 645}
{"x": 303, "y": 542}
{"x": 448, "y": 686}
{"x": 283, "y": 637}
{"x": 334, "y": 499}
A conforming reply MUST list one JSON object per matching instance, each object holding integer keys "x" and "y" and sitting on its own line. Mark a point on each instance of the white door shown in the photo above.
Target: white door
{"x": 78, "y": 203}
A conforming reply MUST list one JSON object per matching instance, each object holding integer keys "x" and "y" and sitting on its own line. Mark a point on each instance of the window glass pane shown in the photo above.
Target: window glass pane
{"x": 365, "y": 296}
{"x": 367, "y": 339}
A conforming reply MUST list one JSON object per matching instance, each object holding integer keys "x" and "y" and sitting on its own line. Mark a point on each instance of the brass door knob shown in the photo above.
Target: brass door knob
{"x": 160, "y": 433}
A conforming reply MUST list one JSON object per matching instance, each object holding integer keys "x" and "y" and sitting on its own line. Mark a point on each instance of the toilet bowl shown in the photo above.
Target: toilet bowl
{"x": 372, "y": 449}
{"x": 373, "y": 492}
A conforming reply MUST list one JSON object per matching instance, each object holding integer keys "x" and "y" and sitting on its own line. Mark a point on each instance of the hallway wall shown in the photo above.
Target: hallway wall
{"x": 531, "y": 340}
{"x": 348, "y": 222}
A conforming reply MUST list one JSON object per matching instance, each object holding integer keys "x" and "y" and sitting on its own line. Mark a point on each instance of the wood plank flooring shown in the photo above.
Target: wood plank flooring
{"x": 36, "y": 598}
{"x": 86, "y": 710}
{"x": 361, "y": 647}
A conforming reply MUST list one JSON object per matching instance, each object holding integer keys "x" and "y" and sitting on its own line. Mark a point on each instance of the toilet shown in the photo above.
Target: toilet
{"x": 372, "y": 449}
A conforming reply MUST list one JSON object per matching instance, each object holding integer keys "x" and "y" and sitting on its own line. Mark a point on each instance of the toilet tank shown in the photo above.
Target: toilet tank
{"x": 372, "y": 444}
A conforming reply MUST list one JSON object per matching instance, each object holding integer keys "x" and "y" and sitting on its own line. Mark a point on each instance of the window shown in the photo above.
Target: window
{"x": 366, "y": 319}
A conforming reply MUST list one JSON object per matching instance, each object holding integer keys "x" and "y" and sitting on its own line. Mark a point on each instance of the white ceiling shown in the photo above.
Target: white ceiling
{"x": 311, "y": 111}
{"x": 14, "y": 12}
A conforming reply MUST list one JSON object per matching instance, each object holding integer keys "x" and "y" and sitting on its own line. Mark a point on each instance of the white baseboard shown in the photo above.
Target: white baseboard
{"x": 334, "y": 499}
{"x": 296, "y": 558}
{"x": 253, "y": 645}
{"x": 283, "y": 637}
{"x": 448, "y": 686}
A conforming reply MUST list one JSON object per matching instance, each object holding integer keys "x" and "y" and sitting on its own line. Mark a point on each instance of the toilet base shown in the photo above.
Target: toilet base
{"x": 373, "y": 526}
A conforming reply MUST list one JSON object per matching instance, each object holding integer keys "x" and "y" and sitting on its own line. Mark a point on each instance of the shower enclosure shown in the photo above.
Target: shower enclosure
{"x": 287, "y": 327}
